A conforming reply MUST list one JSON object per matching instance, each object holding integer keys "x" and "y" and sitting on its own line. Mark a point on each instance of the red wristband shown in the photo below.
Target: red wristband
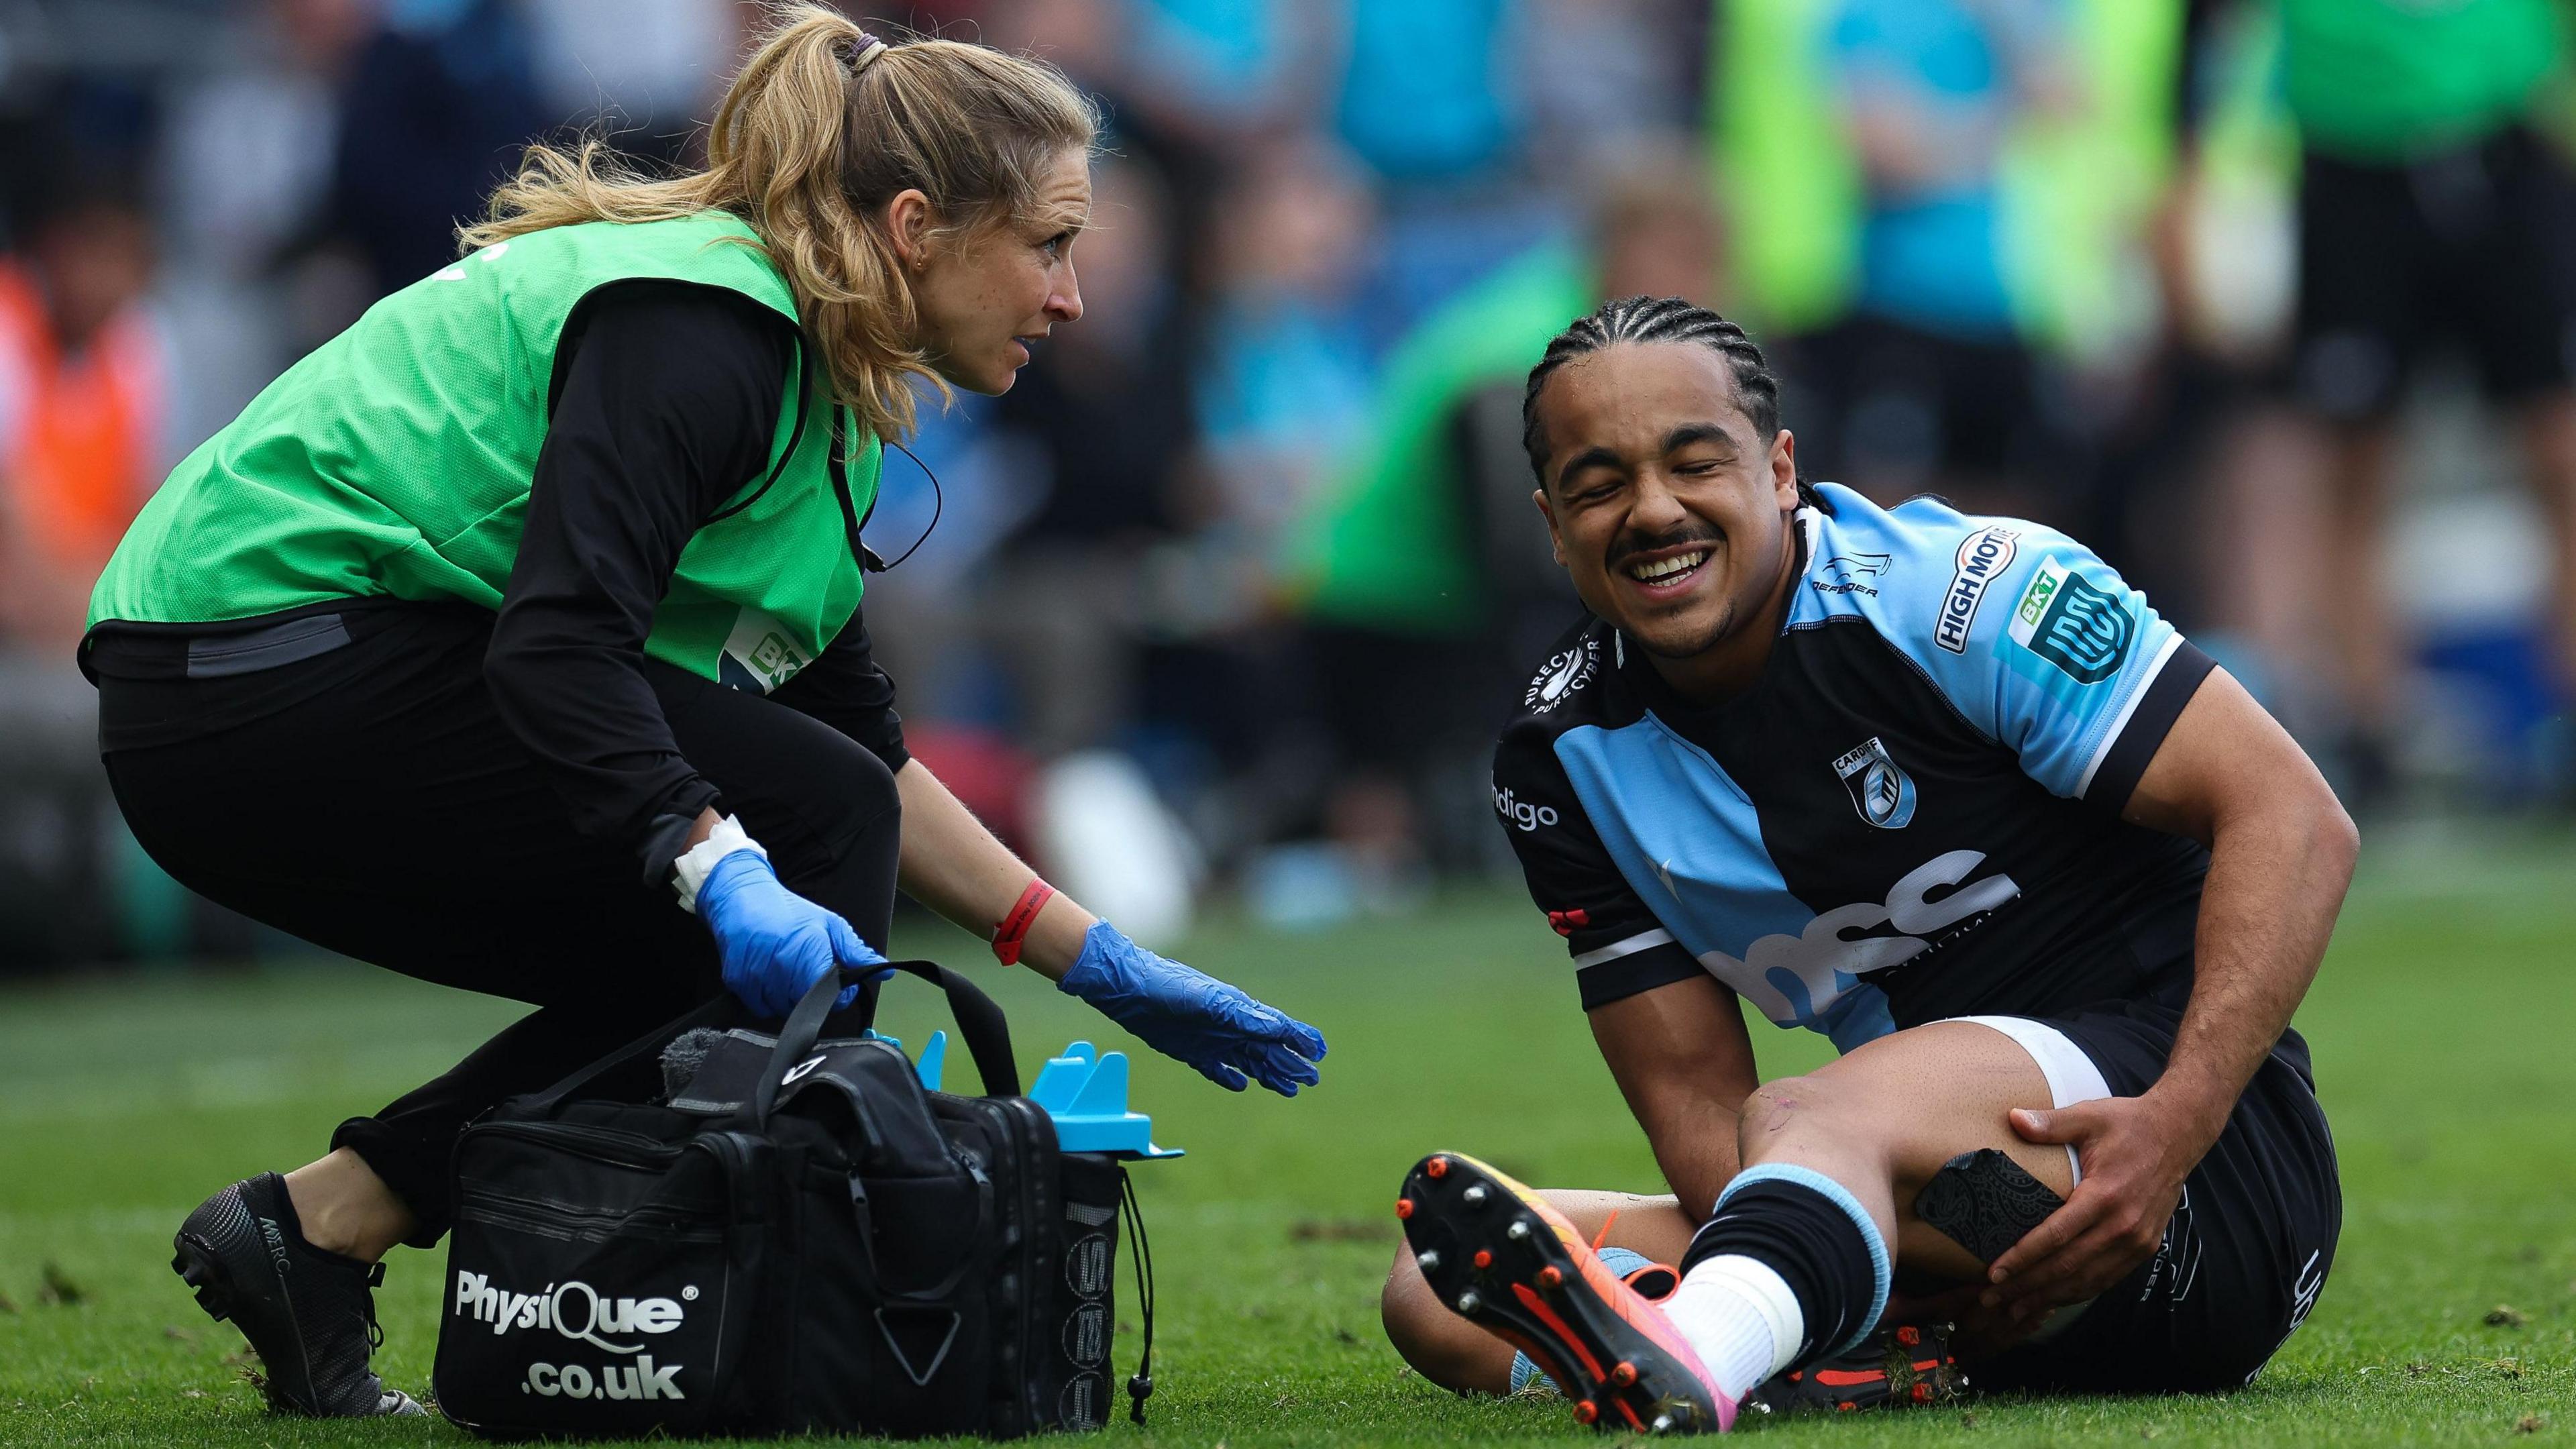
{"x": 1014, "y": 930}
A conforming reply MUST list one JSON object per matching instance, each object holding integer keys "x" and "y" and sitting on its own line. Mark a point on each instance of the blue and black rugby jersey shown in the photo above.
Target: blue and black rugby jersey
{"x": 1913, "y": 813}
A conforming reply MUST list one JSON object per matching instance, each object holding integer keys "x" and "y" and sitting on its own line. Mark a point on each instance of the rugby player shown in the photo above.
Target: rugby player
{"x": 1948, "y": 791}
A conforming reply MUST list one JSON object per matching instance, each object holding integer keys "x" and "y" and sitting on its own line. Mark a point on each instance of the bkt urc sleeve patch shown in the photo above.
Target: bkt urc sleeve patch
{"x": 2066, "y": 619}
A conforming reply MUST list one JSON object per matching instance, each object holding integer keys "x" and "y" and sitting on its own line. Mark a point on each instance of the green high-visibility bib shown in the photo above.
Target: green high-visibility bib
{"x": 1385, "y": 544}
{"x": 395, "y": 462}
{"x": 2072, "y": 190}
{"x": 2385, "y": 81}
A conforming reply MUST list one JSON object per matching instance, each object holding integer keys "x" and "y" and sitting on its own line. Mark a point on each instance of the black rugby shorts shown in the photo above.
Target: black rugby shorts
{"x": 2246, "y": 1251}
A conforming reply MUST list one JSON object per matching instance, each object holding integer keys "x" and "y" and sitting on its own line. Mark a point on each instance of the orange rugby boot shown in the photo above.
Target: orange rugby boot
{"x": 1496, "y": 1253}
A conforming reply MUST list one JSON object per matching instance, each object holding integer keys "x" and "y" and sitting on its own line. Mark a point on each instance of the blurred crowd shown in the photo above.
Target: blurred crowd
{"x": 2271, "y": 301}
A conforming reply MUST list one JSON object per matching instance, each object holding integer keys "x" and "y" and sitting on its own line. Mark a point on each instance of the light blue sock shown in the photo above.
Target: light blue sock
{"x": 1525, "y": 1372}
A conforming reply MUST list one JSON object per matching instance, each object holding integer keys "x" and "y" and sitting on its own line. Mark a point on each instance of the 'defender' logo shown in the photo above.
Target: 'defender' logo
{"x": 1850, "y": 573}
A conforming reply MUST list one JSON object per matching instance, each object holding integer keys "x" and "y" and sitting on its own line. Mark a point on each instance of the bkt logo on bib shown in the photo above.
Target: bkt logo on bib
{"x": 2075, "y": 625}
{"x": 1880, "y": 789}
{"x": 758, "y": 657}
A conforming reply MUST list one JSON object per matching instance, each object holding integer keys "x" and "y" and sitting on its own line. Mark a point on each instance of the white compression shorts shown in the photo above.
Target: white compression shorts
{"x": 2072, "y": 1076}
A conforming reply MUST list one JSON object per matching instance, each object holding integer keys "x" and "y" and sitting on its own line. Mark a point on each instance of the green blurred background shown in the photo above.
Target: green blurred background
{"x": 1245, "y": 564}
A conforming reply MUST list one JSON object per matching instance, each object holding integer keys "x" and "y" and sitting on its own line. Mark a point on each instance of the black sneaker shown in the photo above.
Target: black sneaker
{"x": 310, "y": 1315}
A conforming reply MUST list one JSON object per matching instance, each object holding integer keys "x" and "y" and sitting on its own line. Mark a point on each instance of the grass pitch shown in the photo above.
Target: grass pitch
{"x": 2445, "y": 1036}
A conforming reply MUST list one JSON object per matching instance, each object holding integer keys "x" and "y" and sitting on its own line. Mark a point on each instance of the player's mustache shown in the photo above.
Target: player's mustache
{"x": 1632, "y": 543}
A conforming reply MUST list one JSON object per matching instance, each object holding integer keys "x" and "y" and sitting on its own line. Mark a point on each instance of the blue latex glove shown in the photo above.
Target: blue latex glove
{"x": 1192, "y": 1017}
{"x": 775, "y": 943}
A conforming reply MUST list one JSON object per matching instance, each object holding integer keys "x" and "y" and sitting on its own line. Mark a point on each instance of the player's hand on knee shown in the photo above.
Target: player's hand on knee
{"x": 1193, "y": 1017}
{"x": 775, "y": 943}
{"x": 2135, "y": 1153}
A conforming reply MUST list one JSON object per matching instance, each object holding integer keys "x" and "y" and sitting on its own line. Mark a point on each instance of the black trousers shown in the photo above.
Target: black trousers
{"x": 374, "y": 804}
{"x": 2466, "y": 246}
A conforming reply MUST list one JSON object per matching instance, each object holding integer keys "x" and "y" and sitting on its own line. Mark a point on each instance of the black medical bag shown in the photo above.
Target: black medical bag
{"x": 791, "y": 1234}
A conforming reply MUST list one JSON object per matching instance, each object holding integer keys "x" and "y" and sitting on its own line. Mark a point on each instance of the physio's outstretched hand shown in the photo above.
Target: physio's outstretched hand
{"x": 1193, "y": 1017}
{"x": 2135, "y": 1152}
{"x": 775, "y": 943}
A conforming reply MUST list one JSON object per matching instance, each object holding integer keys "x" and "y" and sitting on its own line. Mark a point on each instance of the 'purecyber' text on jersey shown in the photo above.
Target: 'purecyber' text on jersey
{"x": 1912, "y": 814}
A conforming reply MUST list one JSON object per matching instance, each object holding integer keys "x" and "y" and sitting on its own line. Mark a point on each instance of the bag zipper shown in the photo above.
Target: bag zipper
{"x": 737, "y": 1157}
{"x": 599, "y": 1144}
{"x": 554, "y": 1219}
{"x": 1019, "y": 1110}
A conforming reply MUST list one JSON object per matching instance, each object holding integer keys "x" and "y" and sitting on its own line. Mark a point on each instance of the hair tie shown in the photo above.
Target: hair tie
{"x": 869, "y": 49}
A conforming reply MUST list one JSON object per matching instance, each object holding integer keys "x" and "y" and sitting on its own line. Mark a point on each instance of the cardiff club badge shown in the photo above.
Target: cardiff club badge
{"x": 1880, "y": 790}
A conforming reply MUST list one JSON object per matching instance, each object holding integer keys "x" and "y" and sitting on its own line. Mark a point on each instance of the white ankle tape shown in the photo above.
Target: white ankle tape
{"x": 689, "y": 871}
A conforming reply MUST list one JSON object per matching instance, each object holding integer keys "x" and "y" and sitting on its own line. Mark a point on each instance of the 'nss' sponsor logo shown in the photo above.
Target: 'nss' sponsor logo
{"x": 2075, "y": 625}
{"x": 1794, "y": 979}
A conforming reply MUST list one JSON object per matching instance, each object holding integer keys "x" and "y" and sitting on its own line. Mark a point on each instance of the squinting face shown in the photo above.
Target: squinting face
{"x": 991, "y": 297}
{"x": 1667, "y": 510}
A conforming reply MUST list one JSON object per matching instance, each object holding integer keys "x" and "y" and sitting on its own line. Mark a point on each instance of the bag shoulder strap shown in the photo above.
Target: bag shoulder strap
{"x": 719, "y": 1011}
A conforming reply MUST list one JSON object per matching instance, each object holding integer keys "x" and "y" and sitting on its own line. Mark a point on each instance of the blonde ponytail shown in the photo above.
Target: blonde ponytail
{"x": 806, "y": 143}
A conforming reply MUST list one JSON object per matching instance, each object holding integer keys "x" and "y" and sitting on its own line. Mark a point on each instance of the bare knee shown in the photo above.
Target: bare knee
{"x": 1787, "y": 1108}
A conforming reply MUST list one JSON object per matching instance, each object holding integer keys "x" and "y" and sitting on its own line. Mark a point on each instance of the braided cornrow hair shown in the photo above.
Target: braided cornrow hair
{"x": 1661, "y": 319}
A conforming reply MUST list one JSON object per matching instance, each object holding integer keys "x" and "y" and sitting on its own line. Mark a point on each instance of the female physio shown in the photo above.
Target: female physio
{"x": 519, "y": 623}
